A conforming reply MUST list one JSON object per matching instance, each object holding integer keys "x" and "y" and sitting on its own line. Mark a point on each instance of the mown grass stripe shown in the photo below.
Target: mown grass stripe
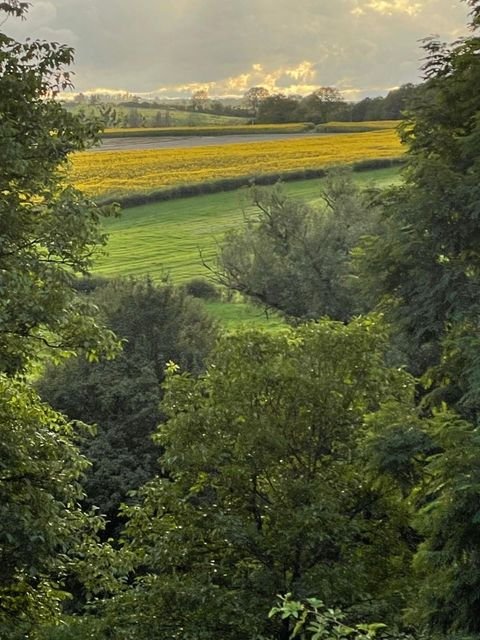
{"x": 169, "y": 236}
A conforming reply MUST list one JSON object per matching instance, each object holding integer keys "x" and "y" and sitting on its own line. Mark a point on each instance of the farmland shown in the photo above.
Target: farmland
{"x": 153, "y": 117}
{"x": 357, "y": 127}
{"x": 169, "y": 236}
{"x": 212, "y": 130}
{"x": 113, "y": 174}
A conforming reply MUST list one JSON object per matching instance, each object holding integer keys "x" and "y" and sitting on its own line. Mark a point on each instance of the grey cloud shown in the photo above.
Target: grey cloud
{"x": 154, "y": 43}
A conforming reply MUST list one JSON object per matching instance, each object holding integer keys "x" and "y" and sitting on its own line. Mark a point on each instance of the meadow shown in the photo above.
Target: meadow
{"x": 173, "y": 237}
{"x": 152, "y": 116}
{"x": 113, "y": 174}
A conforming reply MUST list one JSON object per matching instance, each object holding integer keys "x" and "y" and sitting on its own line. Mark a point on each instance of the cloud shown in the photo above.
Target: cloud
{"x": 388, "y": 7}
{"x": 283, "y": 44}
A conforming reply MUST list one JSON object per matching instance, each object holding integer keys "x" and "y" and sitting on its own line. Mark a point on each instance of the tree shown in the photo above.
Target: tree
{"x": 321, "y": 105}
{"x": 200, "y": 100}
{"x": 313, "y": 619}
{"x": 49, "y": 233}
{"x": 295, "y": 258}
{"x": 368, "y": 109}
{"x": 43, "y": 532}
{"x": 265, "y": 489}
{"x": 135, "y": 118}
{"x": 157, "y": 323}
{"x": 425, "y": 266}
{"x": 430, "y": 284}
{"x": 397, "y": 101}
{"x": 254, "y": 97}
{"x": 277, "y": 108}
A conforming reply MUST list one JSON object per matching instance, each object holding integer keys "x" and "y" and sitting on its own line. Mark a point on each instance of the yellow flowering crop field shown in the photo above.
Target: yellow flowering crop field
{"x": 118, "y": 173}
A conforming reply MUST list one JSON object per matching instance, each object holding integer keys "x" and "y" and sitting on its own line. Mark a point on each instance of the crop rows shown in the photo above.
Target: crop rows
{"x": 118, "y": 173}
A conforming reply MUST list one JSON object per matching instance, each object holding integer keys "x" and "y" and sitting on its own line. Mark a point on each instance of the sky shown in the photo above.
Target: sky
{"x": 171, "y": 48}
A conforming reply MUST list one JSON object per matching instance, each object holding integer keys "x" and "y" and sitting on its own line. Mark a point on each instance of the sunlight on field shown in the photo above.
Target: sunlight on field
{"x": 119, "y": 173}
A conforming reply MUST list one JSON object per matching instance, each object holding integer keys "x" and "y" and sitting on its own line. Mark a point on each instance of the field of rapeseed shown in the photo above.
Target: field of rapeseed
{"x": 118, "y": 173}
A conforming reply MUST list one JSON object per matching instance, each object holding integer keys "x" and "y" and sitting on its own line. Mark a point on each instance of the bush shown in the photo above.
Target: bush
{"x": 201, "y": 288}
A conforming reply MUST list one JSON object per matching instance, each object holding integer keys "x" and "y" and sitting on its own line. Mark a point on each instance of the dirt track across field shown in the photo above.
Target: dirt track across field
{"x": 159, "y": 142}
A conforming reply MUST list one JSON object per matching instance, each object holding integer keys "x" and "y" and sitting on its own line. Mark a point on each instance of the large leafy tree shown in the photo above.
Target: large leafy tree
{"x": 425, "y": 266}
{"x": 426, "y": 270}
{"x": 48, "y": 232}
{"x": 43, "y": 532}
{"x": 325, "y": 103}
{"x": 265, "y": 489}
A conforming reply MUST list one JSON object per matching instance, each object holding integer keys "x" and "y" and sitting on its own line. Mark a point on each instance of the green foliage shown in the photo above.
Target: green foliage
{"x": 425, "y": 265}
{"x": 424, "y": 269}
{"x": 263, "y": 492}
{"x": 202, "y": 288}
{"x": 43, "y": 532}
{"x": 313, "y": 620}
{"x": 47, "y": 232}
{"x": 448, "y": 518}
{"x": 433, "y": 462}
{"x": 157, "y": 323}
{"x": 277, "y": 109}
{"x": 324, "y": 104}
{"x": 295, "y": 258}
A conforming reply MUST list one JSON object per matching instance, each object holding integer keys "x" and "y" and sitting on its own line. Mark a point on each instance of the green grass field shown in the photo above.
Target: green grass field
{"x": 156, "y": 117}
{"x": 169, "y": 237}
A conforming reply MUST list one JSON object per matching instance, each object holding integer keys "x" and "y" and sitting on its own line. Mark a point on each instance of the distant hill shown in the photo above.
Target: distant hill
{"x": 134, "y": 117}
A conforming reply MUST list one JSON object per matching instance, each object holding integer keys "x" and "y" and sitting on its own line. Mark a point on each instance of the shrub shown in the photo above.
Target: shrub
{"x": 202, "y": 288}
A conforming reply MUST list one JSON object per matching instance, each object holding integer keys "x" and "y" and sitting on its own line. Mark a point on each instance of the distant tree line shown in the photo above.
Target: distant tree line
{"x": 326, "y": 104}
{"x": 322, "y": 105}
{"x": 260, "y": 106}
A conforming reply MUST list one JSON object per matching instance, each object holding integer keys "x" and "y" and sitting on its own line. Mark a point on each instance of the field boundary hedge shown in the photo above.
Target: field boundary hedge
{"x": 357, "y": 127}
{"x": 213, "y": 130}
{"x": 230, "y": 184}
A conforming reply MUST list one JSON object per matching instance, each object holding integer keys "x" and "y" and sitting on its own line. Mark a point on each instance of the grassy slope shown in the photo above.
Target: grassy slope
{"x": 177, "y": 118}
{"x": 168, "y": 237}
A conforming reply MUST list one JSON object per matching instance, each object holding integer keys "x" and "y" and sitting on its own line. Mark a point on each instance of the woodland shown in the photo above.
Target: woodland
{"x": 162, "y": 478}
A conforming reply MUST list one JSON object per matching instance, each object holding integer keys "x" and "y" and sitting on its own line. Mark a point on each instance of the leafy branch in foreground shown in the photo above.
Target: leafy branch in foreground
{"x": 313, "y": 620}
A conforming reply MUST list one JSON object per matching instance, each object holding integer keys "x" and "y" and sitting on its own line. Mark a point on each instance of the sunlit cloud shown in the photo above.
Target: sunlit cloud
{"x": 297, "y": 79}
{"x": 387, "y": 7}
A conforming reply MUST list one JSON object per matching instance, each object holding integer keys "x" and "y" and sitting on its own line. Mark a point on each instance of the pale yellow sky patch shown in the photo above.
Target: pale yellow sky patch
{"x": 388, "y": 7}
